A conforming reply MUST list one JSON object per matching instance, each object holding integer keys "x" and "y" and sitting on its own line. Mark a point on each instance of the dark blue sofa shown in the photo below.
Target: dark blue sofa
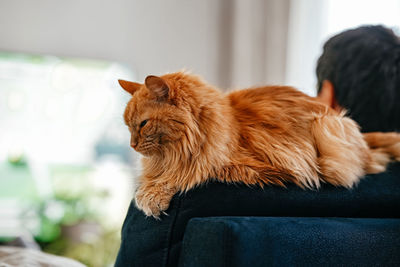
{"x": 235, "y": 225}
{"x": 284, "y": 241}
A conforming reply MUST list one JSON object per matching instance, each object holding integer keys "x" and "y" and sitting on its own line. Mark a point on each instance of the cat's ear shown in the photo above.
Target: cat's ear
{"x": 130, "y": 87}
{"x": 157, "y": 87}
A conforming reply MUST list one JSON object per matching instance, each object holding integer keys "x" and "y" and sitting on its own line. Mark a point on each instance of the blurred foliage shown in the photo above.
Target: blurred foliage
{"x": 69, "y": 222}
{"x": 70, "y": 228}
{"x": 97, "y": 252}
{"x": 56, "y": 186}
{"x": 72, "y": 220}
{"x": 17, "y": 160}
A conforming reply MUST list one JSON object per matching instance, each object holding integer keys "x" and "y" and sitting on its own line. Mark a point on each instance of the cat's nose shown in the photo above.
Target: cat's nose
{"x": 134, "y": 145}
{"x": 134, "y": 141}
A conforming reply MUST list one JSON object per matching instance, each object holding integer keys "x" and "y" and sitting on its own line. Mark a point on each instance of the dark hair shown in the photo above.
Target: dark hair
{"x": 363, "y": 65}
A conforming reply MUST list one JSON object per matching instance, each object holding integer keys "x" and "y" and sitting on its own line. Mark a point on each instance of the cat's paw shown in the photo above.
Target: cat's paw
{"x": 153, "y": 200}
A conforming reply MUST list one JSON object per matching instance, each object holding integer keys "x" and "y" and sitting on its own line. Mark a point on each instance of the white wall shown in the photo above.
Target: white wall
{"x": 151, "y": 36}
{"x": 259, "y": 42}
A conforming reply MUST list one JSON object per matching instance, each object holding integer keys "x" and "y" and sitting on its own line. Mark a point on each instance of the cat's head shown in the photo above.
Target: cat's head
{"x": 162, "y": 113}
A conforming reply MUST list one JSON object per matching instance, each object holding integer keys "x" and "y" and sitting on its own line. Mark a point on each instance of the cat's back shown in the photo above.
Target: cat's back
{"x": 275, "y": 107}
{"x": 275, "y": 100}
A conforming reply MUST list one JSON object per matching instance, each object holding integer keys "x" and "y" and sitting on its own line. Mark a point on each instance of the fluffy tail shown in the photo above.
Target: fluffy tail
{"x": 384, "y": 147}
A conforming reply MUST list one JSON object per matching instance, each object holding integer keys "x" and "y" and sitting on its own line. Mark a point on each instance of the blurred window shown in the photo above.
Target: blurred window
{"x": 65, "y": 159}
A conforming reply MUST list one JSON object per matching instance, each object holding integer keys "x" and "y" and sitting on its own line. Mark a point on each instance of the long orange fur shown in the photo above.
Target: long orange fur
{"x": 190, "y": 132}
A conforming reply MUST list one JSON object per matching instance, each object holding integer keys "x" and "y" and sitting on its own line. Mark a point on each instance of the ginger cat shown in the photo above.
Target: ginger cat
{"x": 190, "y": 132}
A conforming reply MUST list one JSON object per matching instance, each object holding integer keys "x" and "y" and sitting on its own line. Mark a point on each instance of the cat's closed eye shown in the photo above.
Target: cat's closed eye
{"x": 143, "y": 123}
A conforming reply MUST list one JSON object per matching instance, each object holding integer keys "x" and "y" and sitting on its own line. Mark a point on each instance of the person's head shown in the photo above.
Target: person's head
{"x": 359, "y": 70}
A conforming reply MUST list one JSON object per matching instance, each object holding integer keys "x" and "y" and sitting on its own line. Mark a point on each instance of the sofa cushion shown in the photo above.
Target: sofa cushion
{"x": 150, "y": 242}
{"x": 283, "y": 241}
